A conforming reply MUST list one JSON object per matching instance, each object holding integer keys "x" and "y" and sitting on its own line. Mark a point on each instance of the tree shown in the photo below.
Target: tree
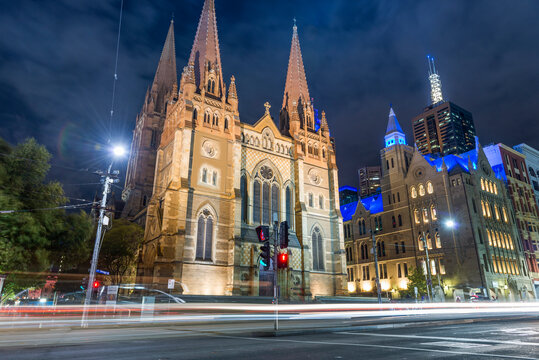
{"x": 33, "y": 240}
{"x": 416, "y": 278}
{"x": 120, "y": 249}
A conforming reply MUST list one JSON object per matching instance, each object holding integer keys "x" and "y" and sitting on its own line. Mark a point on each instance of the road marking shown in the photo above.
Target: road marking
{"x": 379, "y": 346}
{"x": 421, "y": 337}
{"x": 455, "y": 344}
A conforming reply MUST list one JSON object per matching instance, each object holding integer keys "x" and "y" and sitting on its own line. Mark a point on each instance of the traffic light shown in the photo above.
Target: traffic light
{"x": 282, "y": 261}
{"x": 96, "y": 284}
{"x": 283, "y": 235}
{"x": 265, "y": 254}
{"x": 263, "y": 233}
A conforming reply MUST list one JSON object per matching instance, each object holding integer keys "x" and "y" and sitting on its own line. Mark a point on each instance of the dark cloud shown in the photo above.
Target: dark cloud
{"x": 57, "y": 63}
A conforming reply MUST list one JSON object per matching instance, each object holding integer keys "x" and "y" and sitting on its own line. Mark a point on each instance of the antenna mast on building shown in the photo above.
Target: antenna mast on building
{"x": 435, "y": 82}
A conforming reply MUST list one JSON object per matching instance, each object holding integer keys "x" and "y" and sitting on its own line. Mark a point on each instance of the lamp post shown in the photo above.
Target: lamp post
{"x": 118, "y": 152}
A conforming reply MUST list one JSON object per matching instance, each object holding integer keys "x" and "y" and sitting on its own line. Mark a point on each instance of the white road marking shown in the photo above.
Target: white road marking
{"x": 455, "y": 344}
{"x": 422, "y": 337}
{"x": 379, "y": 346}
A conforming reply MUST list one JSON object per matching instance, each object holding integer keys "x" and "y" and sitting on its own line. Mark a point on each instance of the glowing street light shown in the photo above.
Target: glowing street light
{"x": 118, "y": 151}
{"x": 450, "y": 224}
{"x": 110, "y": 177}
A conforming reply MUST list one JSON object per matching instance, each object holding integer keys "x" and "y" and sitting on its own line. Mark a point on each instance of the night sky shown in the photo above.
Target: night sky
{"x": 57, "y": 64}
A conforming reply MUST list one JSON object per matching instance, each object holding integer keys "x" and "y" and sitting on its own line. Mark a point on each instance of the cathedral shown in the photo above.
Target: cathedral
{"x": 200, "y": 180}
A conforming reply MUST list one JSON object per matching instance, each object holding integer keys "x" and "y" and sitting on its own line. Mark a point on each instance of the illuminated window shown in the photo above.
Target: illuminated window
{"x": 490, "y": 187}
{"x": 414, "y": 192}
{"x": 495, "y": 189}
{"x": 429, "y": 241}
{"x": 416, "y": 216}
{"x": 496, "y": 212}
{"x": 511, "y": 245}
{"x": 420, "y": 243}
{"x": 433, "y": 267}
{"x": 482, "y": 184}
{"x": 494, "y": 264}
{"x": 504, "y": 212}
{"x": 498, "y": 242}
{"x": 487, "y": 206}
{"x": 421, "y": 190}
{"x": 437, "y": 240}
{"x": 425, "y": 216}
{"x": 442, "y": 267}
{"x": 430, "y": 188}
{"x": 433, "y": 213}
{"x": 483, "y": 208}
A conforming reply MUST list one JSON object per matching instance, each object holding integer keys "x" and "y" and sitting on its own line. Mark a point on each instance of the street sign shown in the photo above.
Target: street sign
{"x": 112, "y": 294}
{"x": 171, "y": 284}
{"x": 102, "y": 272}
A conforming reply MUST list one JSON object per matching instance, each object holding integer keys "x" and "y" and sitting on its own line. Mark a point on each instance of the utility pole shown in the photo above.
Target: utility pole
{"x": 109, "y": 179}
{"x": 378, "y": 289}
{"x": 429, "y": 281}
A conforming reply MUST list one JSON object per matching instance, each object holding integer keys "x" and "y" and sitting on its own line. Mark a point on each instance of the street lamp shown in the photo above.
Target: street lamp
{"x": 450, "y": 224}
{"x": 117, "y": 151}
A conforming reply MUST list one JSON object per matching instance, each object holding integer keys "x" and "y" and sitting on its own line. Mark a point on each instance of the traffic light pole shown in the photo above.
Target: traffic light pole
{"x": 97, "y": 245}
{"x": 430, "y": 292}
{"x": 275, "y": 269}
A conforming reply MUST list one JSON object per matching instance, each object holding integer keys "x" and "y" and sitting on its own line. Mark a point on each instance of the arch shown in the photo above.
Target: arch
{"x": 430, "y": 188}
{"x": 317, "y": 249}
{"x": 413, "y": 192}
{"x": 421, "y": 190}
{"x": 206, "y": 230}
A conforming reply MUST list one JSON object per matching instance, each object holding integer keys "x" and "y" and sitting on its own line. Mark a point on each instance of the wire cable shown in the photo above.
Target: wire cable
{"x": 115, "y": 70}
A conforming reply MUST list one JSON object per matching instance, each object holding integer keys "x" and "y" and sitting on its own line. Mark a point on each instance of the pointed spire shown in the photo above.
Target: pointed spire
{"x": 296, "y": 82}
{"x": 392, "y": 123}
{"x": 394, "y": 133}
{"x": 206, "y": 46}
{"x": 324, "y": 123}
{"x": 165, "y": 76}
{"x": 232, "y": 94}
{"x": 435, "y": 82}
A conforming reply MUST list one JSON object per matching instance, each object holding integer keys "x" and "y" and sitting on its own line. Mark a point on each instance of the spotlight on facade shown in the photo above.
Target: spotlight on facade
{"x": 450, "y": 224}
{"x": 118, "y": 151}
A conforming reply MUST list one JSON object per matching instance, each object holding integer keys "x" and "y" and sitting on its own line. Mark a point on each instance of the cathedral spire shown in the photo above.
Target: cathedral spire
{"x": 296, "y": 90}
{"x": 165, "y": 76}
{"x": 394, "y": 133}
{"x": 205, "y": 55}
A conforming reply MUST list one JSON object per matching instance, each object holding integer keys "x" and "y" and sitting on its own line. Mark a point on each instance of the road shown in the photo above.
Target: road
{"x": 504, "y": 339}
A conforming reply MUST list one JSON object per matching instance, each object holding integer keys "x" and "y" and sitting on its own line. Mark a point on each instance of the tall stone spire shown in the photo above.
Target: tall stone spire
{"x": 166, "y": 76}
{"x": 394, "y": 133}
{"x": 205, "y": 55}
{"x": 296, "y": 82}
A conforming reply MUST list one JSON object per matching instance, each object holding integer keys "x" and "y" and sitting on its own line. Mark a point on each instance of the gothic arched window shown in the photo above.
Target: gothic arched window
{"x": 195, "y": 114}
{"x": 430, "y": 188}
{"x": 413, "y": 192}
{"x": 226, "y": 123}
{"x": 256, "y": 201}
{"x": 289, "y": 209}
{"x": 244, "y": 198}
{"x": 275, "y": 202}
{"x": 204, "y": 236}
{"x": 318, "y": 250}
{"x": 400, "y": 220}
{"x": 421, "y": 190}
{"x": 215, "y": 120}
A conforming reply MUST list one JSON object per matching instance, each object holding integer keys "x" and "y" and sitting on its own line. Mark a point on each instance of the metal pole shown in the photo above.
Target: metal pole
{"x": 95, "y": 255}
{"x": 275, "y": 269}
{"x": 379, "y": 290}
{"x": 429, "y": 285}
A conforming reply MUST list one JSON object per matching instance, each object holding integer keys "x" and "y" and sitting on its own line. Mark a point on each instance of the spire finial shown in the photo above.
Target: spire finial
{"x": 172, "y": 18}
{"x": 267, "y": 106}
{"x": 435, "y": 82}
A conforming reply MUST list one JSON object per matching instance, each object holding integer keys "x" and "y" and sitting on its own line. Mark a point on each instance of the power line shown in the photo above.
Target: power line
{"x": 115, "y": 70}
{"x": 52, "y": 208}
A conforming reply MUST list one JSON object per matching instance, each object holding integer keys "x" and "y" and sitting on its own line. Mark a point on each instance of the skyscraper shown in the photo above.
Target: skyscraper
{"x": 443, "y": 127}
{"x": 369, "y": 180}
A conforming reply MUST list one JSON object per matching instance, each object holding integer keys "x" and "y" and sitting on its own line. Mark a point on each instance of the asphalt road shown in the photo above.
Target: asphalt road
{"x": 515, "y": 339}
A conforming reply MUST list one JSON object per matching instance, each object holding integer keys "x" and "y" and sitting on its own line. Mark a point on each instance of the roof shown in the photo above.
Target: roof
{"x": 346, "y": 187}
{"x": 348, "y": 210}
{"x": 373, "y": 204}
{"x": 296, "y": 82}
{"x": 392, "y": 123}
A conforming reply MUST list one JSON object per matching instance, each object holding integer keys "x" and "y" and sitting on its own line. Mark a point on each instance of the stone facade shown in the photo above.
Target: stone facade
{"x": 420, "y": 194}
{"x": 217, "y": 178}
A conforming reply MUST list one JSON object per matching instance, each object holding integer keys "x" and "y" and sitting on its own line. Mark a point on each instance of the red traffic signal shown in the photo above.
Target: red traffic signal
{"x": 282, "y": 261}
{"x": 263, "y": 233}
{"x": 96, "y": 284}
